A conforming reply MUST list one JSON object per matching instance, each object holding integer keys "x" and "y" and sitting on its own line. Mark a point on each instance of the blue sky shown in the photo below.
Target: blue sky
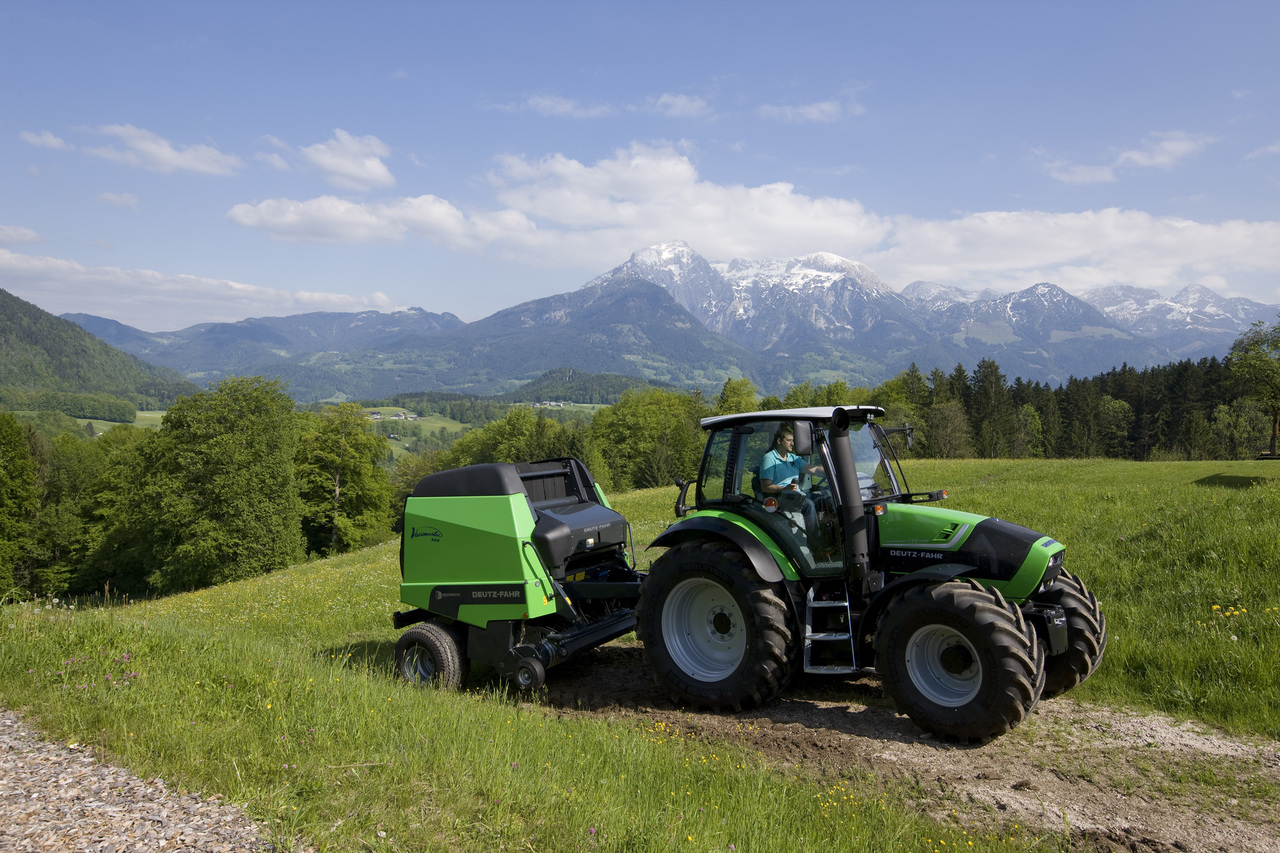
{"x": 165, "y": 164}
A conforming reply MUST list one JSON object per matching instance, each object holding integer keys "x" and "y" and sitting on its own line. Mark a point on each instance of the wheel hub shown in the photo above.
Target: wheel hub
{"x": 702, "y": 626}
{"x": 721, "y": 624}
{"x": 955, "y": 659}
{"x": 943, "y": 665}
{"x": 422, "y": 665}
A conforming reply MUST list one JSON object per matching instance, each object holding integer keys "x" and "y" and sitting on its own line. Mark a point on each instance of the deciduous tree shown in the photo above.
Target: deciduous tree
{"x": 346, "y": 494}
{"x": 1255, "y": 360}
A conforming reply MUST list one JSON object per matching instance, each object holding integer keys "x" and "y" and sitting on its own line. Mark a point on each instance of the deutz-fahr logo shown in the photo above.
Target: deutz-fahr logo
{"x": 430, "y": 532}
{"x": 918, "y": 555}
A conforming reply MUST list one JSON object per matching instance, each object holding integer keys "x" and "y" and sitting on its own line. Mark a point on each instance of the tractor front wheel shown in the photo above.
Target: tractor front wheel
{"x": 1086, "y": 635}
{"x": 959, "y": 660}
{"x": 714, "y": 633}
{"x": 431, "y": 653}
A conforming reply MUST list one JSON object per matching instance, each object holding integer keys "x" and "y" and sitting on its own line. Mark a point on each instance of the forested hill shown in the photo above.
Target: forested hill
{"x": 565, "y": 385}
{"x": 41, "y": 353}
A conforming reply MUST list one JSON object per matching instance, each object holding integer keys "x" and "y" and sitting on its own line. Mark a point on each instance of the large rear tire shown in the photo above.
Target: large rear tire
{"x": 714, "y": 633}
{"x": 1086, "y": 635}
{"x": 431, "y": 653}
{"x": 959, "y": 660}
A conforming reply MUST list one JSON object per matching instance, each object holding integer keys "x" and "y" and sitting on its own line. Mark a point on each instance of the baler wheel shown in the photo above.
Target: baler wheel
{"x": 431, "y": 653}
{"x": 530, "y": 674}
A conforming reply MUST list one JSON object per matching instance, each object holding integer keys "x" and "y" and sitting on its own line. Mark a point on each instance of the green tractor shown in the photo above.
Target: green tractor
{"x": 805, "y": 551}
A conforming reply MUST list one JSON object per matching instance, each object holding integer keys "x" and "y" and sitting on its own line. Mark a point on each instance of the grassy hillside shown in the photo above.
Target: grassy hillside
{"x": 278, "y": 691}
{"x": 39, "y": 351}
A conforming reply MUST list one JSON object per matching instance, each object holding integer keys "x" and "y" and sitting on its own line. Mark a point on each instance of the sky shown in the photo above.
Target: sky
{"x": 165, "y": 164}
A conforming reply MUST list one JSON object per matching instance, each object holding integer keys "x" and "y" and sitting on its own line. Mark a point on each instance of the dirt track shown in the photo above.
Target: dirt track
{"x": 1121, "y": 781}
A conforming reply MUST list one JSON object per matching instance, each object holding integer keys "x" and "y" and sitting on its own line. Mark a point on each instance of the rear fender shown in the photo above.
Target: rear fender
{"x": 770, "y": 567}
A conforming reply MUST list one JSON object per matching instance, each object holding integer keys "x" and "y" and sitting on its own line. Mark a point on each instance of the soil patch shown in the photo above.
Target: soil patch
{"x": 1114, "y": 779}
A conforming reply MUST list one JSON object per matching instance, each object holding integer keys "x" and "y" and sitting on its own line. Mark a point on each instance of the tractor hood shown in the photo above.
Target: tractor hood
{"x": 1008, "y": 556}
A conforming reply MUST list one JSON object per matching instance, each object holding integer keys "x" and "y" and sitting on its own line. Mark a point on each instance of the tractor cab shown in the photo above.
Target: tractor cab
{"x": 779, "y": 470}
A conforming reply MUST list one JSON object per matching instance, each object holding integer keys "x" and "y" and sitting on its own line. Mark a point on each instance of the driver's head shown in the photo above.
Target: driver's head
{"x": 784, "y": 439}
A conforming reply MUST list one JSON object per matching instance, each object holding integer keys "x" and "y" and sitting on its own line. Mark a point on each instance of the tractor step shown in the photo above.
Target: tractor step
{"x": 828, "y": 637}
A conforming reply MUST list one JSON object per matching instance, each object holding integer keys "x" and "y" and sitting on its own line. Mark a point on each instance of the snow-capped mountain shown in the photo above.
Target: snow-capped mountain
{"x": 934, "y": 296}
{"x": 775, "y": 305}
{"x": 823, "y": 309}
{"x": 1193, "y": 322}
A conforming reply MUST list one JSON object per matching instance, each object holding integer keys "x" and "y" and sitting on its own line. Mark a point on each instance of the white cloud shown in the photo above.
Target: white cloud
{"x": 12, "y": 235}
{"x": 557, "y": 212}
{"x": 1159, "y": 151}
{"x": 128, "y": 200}
{"x": 1009, "y": 250}
{"x": 555, "y": 106}
{"x": 150, "y": 300}
{"x": 823, "y": 112}
{"x": 679, "y": 106}
{"x": 352, "y": 162}
{"x": 560, "y": 213}
{"x": 1165, "y": 150}
{"x": 272, "y": 159}
{"x": 45, "y": 139}
{"x": 1265, "y": 151}
{"x": 1069, "y": 174}
{"x": 146, "y": 150}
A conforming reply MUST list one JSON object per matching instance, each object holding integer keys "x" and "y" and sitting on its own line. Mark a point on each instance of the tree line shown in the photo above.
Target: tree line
{"x": 234, "y": 483}
{"x": 237, "y": 482}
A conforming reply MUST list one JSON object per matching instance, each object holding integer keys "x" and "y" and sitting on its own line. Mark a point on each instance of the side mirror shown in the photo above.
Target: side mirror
{"x": 803, "y": 433}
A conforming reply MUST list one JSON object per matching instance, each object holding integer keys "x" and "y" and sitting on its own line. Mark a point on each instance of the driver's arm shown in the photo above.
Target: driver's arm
{"x": 767, "y": 486}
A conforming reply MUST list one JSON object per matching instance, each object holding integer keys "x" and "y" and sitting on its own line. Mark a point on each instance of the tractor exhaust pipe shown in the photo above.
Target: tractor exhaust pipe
{"x": 853, "y": 515}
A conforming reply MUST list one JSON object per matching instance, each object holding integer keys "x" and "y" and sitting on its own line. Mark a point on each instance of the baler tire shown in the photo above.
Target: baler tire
{"x": 715, "y": 634}
{"x": 959, "y": 660}
{"x": 530, "y": 674}
{"x": 431, "y": 653}
{"x": 1086, "y": 635}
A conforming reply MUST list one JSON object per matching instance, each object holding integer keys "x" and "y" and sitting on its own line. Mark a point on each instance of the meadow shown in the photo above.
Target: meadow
{"x": 277, "y": 692}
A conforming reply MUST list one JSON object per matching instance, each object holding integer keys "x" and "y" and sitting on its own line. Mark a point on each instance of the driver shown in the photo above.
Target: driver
{"x": 780, "y": 471}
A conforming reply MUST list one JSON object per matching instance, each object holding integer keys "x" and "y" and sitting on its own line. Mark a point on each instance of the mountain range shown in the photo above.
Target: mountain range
{"x": 668, "y": 314}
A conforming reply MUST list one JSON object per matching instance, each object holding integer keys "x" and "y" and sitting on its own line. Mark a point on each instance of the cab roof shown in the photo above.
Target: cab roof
{"x": 857, "y": 414}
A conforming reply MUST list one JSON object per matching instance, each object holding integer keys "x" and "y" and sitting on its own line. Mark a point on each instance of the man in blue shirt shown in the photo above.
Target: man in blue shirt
{"x": 780, "y": 471}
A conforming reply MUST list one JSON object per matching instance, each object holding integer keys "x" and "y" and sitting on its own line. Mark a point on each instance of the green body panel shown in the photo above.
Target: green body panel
{"x": 939, "y": 533}
{"x": 921, "y": 525}
{"x": 946, "y": 532}
{"x": 758, "y": 533}
{"x": 469, "y": 543}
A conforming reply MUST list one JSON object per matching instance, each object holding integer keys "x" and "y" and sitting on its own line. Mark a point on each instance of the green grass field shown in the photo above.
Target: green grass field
{"x": 277, "y": 692}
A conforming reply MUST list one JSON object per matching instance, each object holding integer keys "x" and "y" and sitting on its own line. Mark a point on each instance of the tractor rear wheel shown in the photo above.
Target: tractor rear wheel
{"x": 959, "y": 660}
{"x": 1086, "y": 635}
{"x": 714, "y": 633}
{"x": 431, "y": 653}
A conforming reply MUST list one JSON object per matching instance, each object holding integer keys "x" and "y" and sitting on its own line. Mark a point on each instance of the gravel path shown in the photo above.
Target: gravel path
{"x": 57, "y": 797}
